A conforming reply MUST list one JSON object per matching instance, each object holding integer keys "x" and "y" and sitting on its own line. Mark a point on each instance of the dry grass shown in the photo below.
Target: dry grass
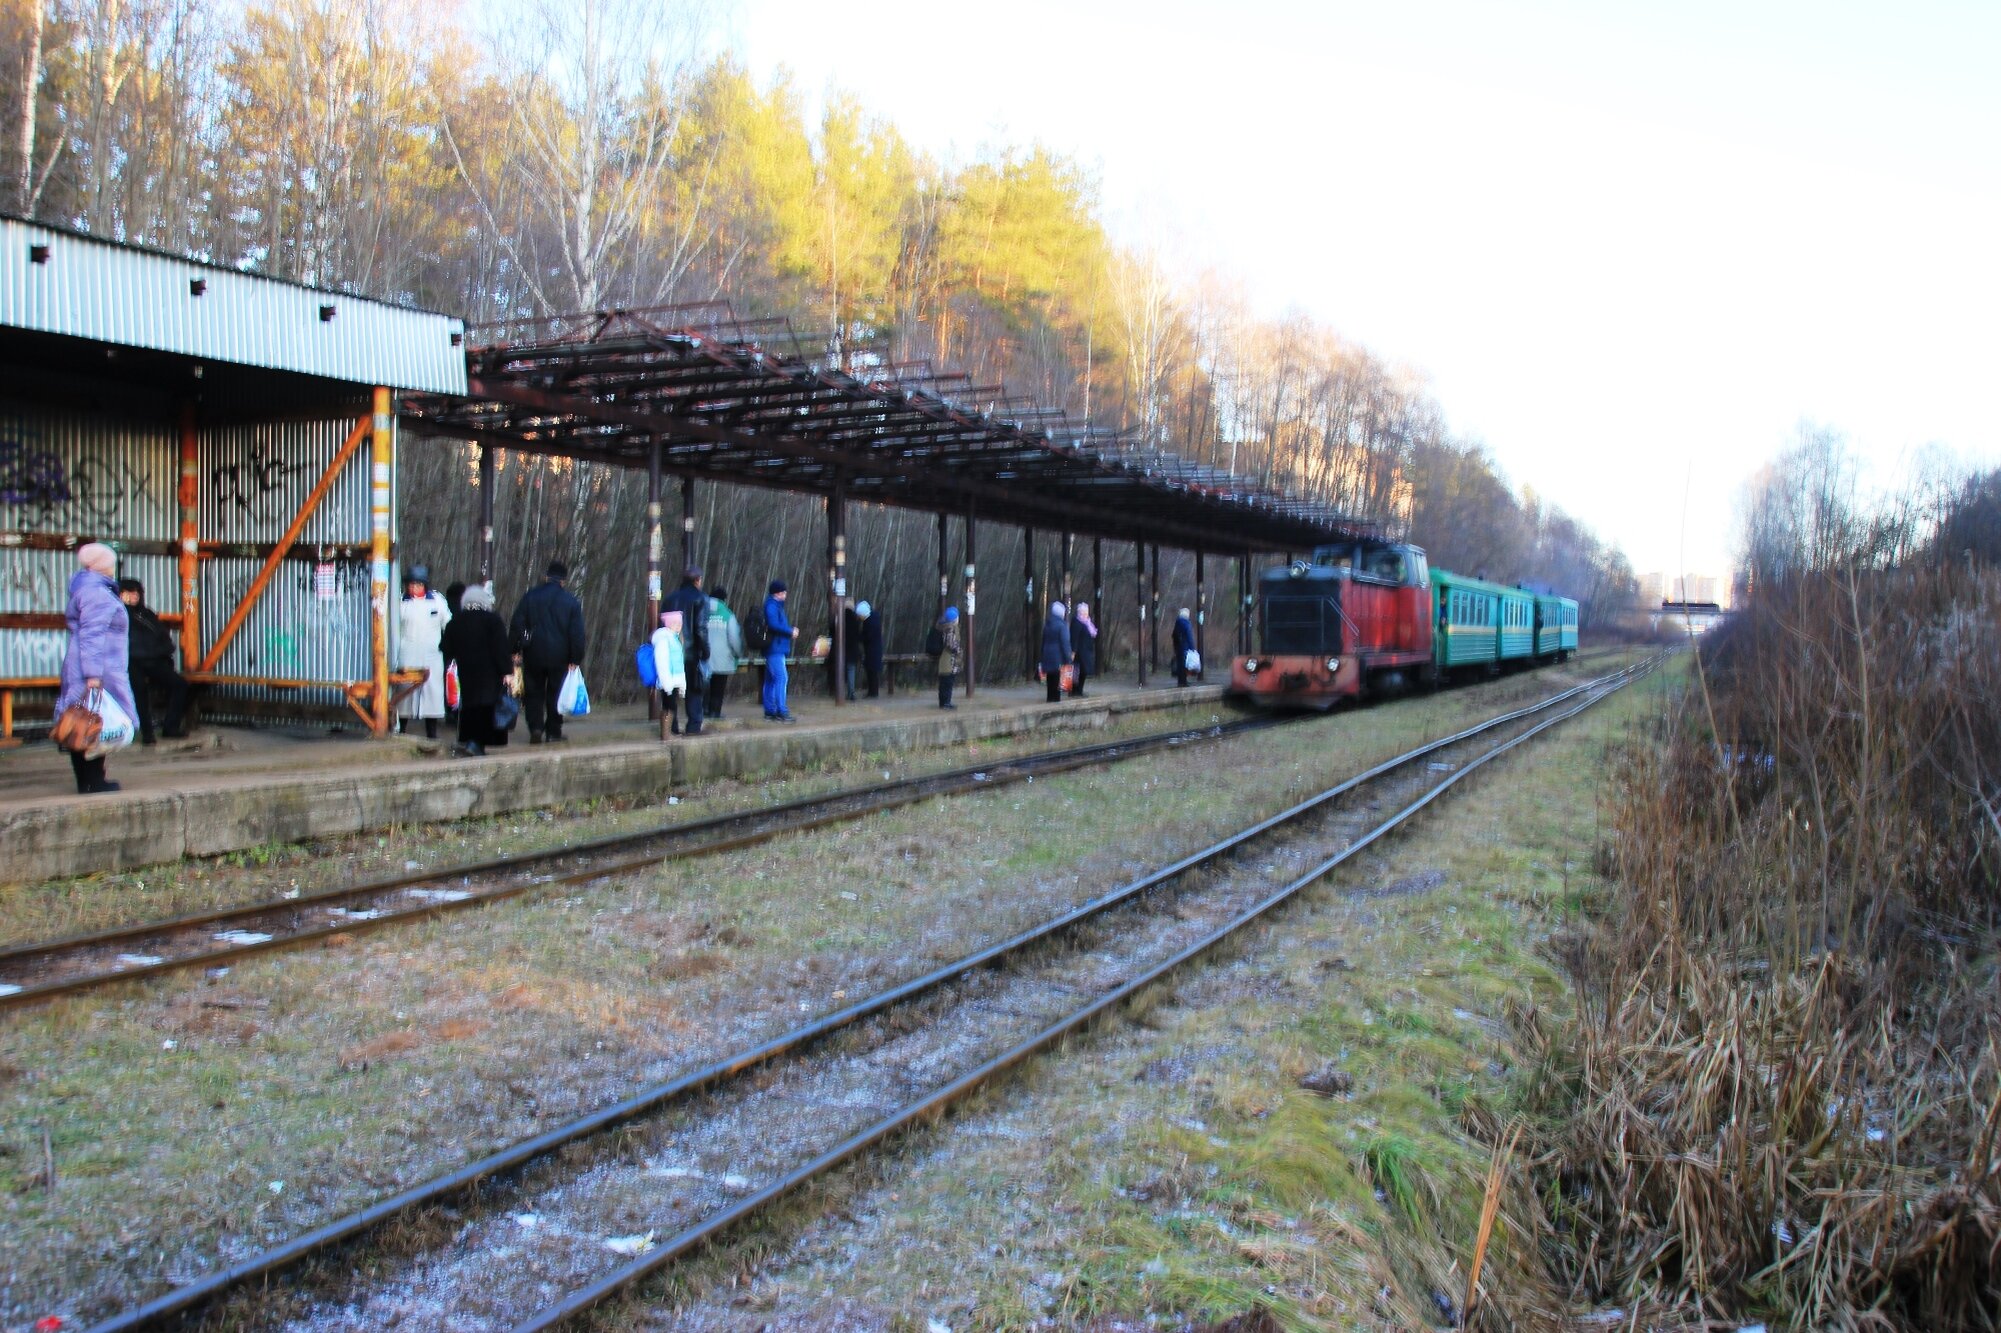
{"x": 1783, "y": 1100}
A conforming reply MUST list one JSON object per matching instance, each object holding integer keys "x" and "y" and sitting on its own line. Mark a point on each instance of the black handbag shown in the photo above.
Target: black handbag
{"x": 506, "y": 713}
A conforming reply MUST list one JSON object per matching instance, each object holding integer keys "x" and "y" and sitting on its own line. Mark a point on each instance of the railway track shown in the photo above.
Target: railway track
{"x": 542, "y": 1226}
{"x": 40, "y": 971}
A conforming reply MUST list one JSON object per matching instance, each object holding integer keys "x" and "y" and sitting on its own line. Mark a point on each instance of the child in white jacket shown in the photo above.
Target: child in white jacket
{"x": 671, "y": 667}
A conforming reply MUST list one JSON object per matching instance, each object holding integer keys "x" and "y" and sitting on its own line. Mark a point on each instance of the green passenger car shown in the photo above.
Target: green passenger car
{"x": 1555, "y": 627}
{"x": 1479, "y": 623}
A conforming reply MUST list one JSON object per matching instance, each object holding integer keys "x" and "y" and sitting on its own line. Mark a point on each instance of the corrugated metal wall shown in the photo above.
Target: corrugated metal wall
{"x": 311, "y": 623}
{"x": 89, "y": 476}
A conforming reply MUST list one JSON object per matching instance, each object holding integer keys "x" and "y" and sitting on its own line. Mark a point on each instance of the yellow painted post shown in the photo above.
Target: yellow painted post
{"x": 190, "y": 553}
{"x": 382, "y": 459}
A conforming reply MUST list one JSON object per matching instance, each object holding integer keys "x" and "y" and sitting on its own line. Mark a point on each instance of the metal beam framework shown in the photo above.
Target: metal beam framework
{"x": 730, "y": 402}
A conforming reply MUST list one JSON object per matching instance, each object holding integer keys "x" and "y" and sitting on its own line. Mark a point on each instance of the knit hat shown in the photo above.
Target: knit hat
{"x": 777, "y": 586}
{"x": 419, "y": 574}
{"x": 719, "y": 594}
{"x": 98, "y": 557}
{"x": 558, "y": 570}
{"x": 476, "y": 598}
{"x": 1184, "y": 613}
{"x": 862, "y": 609}
{"x": 951, "y": 614}
{"x": 1056, "y": 609}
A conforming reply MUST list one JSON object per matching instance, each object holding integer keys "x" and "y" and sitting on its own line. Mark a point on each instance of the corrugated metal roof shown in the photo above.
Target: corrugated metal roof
{"x": 84, "y": 287}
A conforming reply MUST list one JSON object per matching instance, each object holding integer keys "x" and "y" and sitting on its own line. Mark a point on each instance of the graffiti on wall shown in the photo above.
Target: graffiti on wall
{"x": 94, "y": 496}
{"x": 256, "y": 487}
{"x": 32, "y": 477}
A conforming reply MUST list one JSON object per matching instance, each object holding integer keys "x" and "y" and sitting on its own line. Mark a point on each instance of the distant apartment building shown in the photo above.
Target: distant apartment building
{"x": 1657, "y": 588}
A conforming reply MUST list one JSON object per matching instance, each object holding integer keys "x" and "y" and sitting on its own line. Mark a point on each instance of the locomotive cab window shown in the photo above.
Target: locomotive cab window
{"x": 1386, "y": 564}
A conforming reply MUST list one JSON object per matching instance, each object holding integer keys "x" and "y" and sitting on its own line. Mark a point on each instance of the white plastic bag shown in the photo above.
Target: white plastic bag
{"x": 574, "y": 699}
{"x": 1191, "y": 662}
{"x": 118, "y": 728}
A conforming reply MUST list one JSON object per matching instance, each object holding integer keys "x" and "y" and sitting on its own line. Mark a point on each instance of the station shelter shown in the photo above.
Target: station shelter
{"x": 233, "y": 438}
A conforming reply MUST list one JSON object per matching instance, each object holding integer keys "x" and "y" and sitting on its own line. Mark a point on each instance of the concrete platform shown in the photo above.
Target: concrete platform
{"x": 225, "y": 789}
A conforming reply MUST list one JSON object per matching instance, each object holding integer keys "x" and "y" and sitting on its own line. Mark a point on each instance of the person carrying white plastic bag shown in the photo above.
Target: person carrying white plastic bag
{"x": 95, "y": 663}
{"x": 574, "y": 699}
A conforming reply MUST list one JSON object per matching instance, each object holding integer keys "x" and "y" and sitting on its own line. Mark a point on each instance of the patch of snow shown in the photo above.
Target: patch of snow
{"x": 241, "y": 937}
{"x": 139, "y": 959}
{"x": 630, "y": 1245}
{"x": 439, "y": 895}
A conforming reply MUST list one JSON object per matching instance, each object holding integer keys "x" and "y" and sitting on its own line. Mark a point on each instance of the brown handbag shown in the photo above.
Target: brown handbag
{"x": 77, "y": 729}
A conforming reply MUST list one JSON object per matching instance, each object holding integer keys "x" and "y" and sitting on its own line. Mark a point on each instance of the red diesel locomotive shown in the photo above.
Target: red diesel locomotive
{"x": 1353, "y": 620}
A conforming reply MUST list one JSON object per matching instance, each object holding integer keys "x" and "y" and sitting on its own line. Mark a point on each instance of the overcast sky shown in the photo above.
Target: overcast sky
{"x": 1631, "y": 245}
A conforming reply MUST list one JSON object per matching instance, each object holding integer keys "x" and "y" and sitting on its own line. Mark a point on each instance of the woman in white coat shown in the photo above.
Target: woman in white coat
{"x": 420, "y": 627}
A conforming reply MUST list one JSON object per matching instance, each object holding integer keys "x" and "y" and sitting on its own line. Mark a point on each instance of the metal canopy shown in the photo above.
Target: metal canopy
{"x": 727, "y": 404}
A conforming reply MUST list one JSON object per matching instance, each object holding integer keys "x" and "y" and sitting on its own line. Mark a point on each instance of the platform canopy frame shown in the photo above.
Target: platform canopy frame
{"x": 743, "y": 401}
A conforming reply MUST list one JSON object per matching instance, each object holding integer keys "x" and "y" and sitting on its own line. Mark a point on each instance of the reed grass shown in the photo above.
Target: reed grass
{"x": 1781, "y": 1095}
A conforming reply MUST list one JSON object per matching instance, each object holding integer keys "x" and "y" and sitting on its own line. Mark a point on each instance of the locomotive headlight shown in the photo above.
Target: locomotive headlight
{"x": 1250, "y": 666}
{"x": 1334, "y": 664}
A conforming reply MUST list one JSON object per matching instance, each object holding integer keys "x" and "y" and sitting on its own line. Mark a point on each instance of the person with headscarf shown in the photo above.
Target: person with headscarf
{"x": 870, "y": 651}
{"x": 98, "y": 651}
{"x": 477, "y": 641}
{"x": 950, "y": 657}
{"x": 420, "y": 634}
{"x": 1084, "y": 643}
{"x": 670, "y": 670}
{"x": 1184, "y": 644}
{"x": 1056, "y": 652}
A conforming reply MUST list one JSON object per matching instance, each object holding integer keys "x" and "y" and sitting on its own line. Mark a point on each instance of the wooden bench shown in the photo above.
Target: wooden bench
{"x": 892, "y": 665}
{"x": 7, "y": 690}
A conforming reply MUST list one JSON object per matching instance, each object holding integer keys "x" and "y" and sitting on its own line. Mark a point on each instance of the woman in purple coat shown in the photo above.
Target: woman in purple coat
{"x": 97, "y": 656}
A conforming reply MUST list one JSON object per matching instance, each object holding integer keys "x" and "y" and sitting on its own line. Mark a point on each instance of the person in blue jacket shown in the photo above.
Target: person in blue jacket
{"x": 1184, "y": 644}
{"x": 778, "y": 647}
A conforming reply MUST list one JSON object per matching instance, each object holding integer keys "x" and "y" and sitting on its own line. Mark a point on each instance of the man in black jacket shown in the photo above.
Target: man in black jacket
{"x": 151, "y": 663}
{"x": 693, "y": 604}
{"x": 548, "y": 636}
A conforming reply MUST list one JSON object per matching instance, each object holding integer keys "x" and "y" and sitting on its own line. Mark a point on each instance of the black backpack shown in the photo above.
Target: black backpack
{"x": 934, "y": 642}
{"x": 757, "y": 632}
